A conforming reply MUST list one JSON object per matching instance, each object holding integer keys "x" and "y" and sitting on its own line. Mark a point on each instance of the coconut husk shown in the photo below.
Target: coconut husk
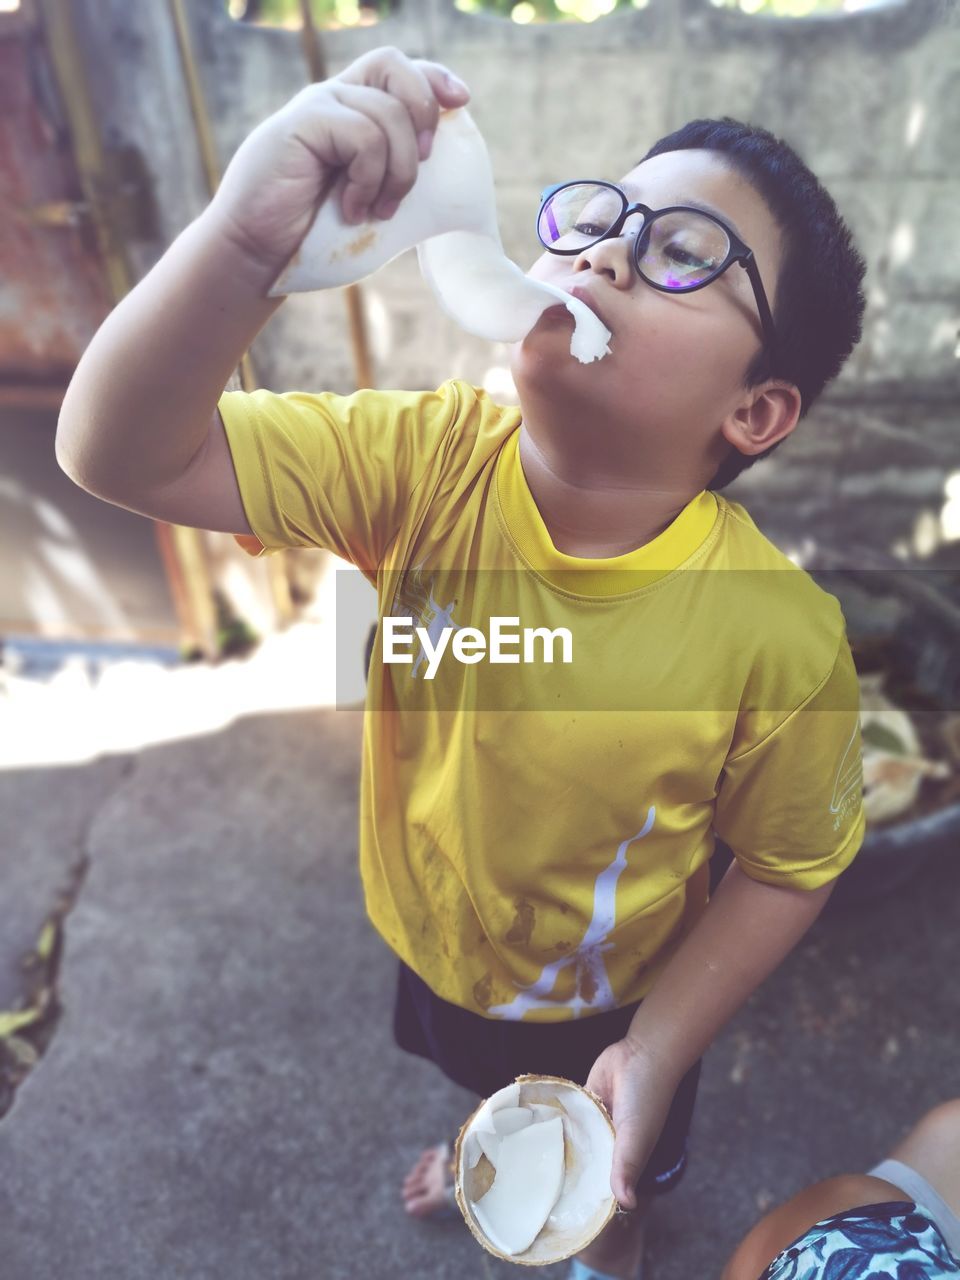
{"x": 550, "y": 1245}
{"x": 894, "y": 763}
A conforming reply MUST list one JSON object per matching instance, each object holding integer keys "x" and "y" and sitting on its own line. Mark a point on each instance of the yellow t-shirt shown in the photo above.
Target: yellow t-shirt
{"x": 534, "y": 835}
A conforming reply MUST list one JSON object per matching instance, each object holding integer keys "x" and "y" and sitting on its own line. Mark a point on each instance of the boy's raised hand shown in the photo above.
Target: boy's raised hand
{"x": 375, "y": 120}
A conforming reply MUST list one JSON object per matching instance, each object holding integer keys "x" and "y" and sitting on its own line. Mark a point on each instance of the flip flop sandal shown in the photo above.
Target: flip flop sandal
{"x": 580, "y": 1271}
{"x": 448, "y": 1210}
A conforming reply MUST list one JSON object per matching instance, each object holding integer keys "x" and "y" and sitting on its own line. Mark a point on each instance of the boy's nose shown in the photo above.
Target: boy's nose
{"x": 612, "y": 257}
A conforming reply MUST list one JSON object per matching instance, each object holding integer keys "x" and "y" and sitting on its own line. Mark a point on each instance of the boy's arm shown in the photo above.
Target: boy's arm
{"x": 139, "y": 424}
{"x": 143, "y": 398}
{"x": 745, "y": 932}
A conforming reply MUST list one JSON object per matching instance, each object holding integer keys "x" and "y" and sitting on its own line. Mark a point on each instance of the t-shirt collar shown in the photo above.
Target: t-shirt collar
{"x": 608, "y": 575}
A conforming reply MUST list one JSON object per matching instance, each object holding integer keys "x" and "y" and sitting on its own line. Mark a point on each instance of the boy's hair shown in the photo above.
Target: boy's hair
{"x": 819, "y": 301}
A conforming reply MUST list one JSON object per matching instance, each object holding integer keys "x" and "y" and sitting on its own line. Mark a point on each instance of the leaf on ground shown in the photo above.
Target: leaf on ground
{"x": 46, "y": 940}
{"x": 12, "y": 1021}
{"x": 950, "y": 729}
{"x": 884, "y": 739}
{"x": 24, "y": 1056}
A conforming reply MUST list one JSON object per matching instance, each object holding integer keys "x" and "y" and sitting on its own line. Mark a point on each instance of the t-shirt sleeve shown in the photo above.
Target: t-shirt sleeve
{"x": 332, "y": 471}
{"x": 790, "y": 806}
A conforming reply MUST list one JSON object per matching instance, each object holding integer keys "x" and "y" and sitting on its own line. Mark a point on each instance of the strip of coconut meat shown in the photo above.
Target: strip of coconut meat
{"x": 450, "y": 216}
{"x": 527, "y": 1185}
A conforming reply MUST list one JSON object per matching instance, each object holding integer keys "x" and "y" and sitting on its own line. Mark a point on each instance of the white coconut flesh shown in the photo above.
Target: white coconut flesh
{"x": 528, "y": 1182}
{"x": 449, "y": 215}
{"x": 533, "y": 1174}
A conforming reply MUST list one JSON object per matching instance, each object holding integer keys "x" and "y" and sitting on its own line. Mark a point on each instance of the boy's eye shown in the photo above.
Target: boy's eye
{"x": 686, "y": 259}
{"x": 589, "y": 229}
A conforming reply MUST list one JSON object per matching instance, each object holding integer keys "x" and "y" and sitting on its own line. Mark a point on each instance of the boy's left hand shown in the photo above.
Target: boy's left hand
{"x": 637, "y": 1092}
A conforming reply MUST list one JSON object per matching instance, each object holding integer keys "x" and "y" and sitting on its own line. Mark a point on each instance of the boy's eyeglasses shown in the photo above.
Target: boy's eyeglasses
{"x": 678, "y": 250}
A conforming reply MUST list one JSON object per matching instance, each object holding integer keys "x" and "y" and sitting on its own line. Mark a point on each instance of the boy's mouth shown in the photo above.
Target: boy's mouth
{"x": 591, "y": 334}
{"x": 584, "y": 296}
{"x": 581, "y": 296}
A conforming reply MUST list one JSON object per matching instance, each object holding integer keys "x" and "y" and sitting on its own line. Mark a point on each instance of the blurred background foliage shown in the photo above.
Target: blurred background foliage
{"x": 349, "y": 13}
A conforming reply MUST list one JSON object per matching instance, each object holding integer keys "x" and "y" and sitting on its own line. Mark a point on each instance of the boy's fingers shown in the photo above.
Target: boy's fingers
{"x": 421, "y": 85}
{"x": 393, "y": 73}
{"x": 448, "y": 88}
{"x": 383, "y": 167}
{"x": 632, "y": 1148}
{"x": 626, "y": 1174}
{"x": 443, "y": 89}
{"x": 383, "y": 84}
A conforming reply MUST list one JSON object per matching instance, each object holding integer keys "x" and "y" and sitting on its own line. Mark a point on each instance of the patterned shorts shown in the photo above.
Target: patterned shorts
{"x": 897, "y": 1240}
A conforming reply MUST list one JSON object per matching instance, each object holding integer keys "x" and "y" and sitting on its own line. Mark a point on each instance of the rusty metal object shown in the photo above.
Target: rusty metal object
{"x": 55, "y": 295}
{"x": 115, "y": 203}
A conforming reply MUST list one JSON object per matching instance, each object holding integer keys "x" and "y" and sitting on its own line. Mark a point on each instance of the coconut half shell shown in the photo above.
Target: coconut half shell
{"x": 585, "y": 1203}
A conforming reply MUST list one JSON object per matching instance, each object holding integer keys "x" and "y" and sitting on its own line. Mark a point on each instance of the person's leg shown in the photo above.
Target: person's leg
{"x": 926, "y": 1165}
{"x": 426, "y": 1188}
{"x": 933, "y": 1148}
{"x": 418, "y": 1028}
{"x": 618, "y": 1249}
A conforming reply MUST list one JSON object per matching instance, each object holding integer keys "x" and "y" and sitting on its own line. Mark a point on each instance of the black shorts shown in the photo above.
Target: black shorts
{"x": 484, "y": 1055}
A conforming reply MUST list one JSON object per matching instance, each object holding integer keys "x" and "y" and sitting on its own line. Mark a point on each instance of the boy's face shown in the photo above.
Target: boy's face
{"x": 677, "y": 361}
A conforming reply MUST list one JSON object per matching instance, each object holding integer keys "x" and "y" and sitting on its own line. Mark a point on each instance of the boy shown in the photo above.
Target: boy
{"x": 535, "y": 845}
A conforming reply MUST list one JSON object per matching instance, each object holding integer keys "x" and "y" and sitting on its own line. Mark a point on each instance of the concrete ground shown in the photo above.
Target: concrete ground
{"x": 223, "y": 1098}
{"x": 69, "y": 563}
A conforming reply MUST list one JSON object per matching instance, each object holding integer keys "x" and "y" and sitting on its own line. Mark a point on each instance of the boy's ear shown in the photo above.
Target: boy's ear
{"x": 767, "y": 414}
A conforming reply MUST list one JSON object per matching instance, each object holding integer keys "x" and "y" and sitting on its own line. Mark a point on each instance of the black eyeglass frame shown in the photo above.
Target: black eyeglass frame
{"x": 738, "y": 252}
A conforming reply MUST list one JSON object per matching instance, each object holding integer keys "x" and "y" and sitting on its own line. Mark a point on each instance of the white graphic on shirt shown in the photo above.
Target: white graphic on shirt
{"x": 849, "y": 780}
{"x": 427, "y": 613}
{"x": 591, "y": 971}
{"x": 441, "y": 619}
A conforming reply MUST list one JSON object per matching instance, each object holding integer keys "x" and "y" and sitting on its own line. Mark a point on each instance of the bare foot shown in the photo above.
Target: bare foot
{"x": 423, "y": 1187}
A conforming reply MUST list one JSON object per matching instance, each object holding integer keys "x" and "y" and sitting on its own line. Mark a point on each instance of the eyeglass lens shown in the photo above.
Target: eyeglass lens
{"x": 675, "y": 250}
